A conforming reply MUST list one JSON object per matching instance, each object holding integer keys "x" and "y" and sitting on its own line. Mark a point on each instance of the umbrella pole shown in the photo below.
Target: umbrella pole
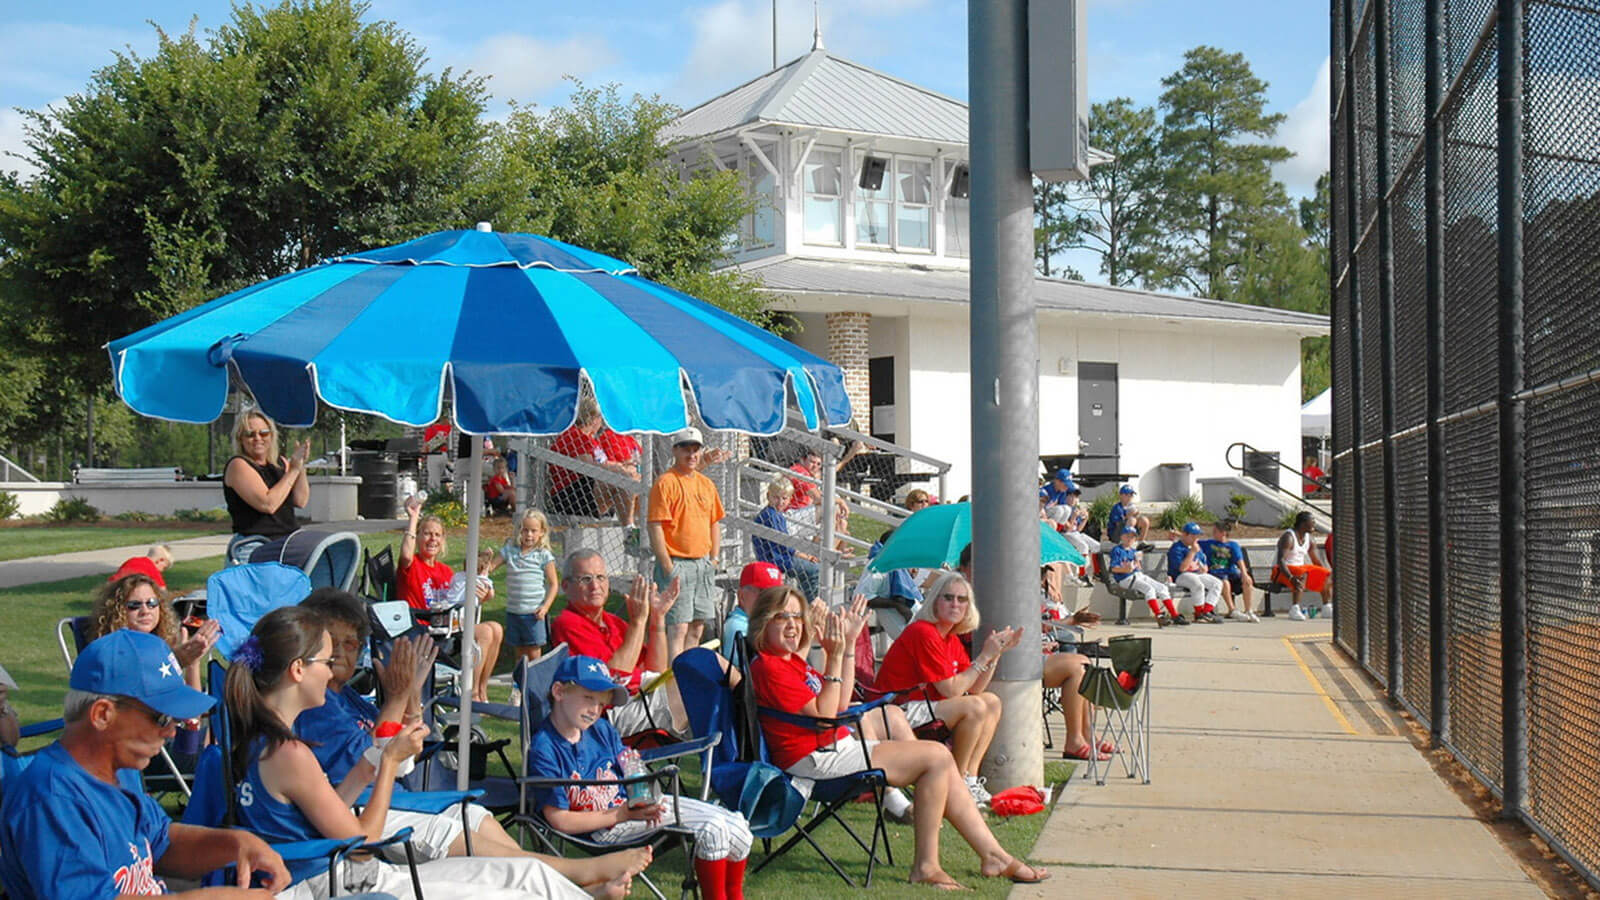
{"x": 825, "y": 514}
{"x": 469, "y": 618}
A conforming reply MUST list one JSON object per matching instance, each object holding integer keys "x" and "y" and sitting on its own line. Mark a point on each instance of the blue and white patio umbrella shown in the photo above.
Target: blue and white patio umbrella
{"x": 510, "y": 321}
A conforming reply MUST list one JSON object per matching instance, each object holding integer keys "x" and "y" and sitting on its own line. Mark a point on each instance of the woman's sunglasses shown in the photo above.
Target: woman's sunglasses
{"x": 258, "y": 434}
{"x": 134, "y": 605}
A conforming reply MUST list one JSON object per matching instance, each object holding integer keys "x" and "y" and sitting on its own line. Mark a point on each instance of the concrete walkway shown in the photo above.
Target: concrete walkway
{"x": 1277, "y": 772}
{"x": 59, "y": 566}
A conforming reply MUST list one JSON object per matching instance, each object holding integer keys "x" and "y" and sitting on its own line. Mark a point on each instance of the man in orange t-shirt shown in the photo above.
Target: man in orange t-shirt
{"x": 685, "y": 517}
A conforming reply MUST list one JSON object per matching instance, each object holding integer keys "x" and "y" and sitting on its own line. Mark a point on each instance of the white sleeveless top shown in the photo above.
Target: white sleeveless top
{"x": 1299, "y": 552}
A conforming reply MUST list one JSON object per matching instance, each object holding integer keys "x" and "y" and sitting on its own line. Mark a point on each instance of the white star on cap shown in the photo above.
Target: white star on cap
{"x": 597, "y": 667}
{"x": 166, "y": 669}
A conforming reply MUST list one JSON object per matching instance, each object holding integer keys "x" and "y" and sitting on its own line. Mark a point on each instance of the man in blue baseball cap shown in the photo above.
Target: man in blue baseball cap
{"x": 1058, "y": 501}
{"x": 70, "y": 829}
{"x": 1124, "y": 513}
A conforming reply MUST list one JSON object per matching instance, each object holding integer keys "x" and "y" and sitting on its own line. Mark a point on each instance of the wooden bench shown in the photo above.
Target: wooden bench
{"x": 155, "y": 475}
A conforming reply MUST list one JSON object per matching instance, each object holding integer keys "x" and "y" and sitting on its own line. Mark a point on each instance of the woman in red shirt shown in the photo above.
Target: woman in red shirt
{"x": 929, "y": 663}
{"x": 784, "y": 681}
{"x": 424, "y": 582}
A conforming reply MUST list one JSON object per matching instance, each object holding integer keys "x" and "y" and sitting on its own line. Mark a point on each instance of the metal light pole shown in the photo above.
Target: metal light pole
{"x": 1005, "y": 377}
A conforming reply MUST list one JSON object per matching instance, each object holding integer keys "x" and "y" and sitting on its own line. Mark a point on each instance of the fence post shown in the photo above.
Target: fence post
{"x": 1438, "y": 609}
{"x": 1386, "y": 318}
{"x": 1353, "y": 311}
{"x": 1513, "y": 508}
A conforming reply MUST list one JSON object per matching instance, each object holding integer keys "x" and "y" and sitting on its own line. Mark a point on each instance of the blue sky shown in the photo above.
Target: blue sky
{"x": 690, "y": 51}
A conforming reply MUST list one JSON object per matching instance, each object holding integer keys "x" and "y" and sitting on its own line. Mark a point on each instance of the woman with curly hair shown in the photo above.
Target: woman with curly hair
{"x": 134, "y": 601}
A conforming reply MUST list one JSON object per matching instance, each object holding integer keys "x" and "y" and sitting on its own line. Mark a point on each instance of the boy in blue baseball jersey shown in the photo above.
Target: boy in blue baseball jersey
{"x": 71, "y": 828}
{"x": 1187, "y": 567}
{"x": 1124, "y": 513}
{"x": 1226, "y": 561}
{"x": 578, "y": 742}
{"x": 1128, "y": 574}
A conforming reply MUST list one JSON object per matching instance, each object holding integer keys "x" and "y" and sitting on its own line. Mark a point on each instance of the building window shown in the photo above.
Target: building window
{"x": 824, "y": 223}
{"x": 914, "y": 195}
{"x": 759, "y": 229}
{"x": 899, "y": 214}
{"x": 956, "y": 227}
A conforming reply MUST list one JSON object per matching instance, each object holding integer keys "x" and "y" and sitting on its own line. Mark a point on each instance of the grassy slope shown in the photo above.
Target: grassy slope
{"x": 42, "y": 540}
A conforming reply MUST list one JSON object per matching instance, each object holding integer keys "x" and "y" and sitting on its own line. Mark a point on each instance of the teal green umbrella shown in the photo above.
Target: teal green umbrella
{"x": 934, "y": 536}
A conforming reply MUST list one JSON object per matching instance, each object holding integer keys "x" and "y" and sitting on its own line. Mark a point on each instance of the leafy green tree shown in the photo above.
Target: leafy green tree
{"x": 594, "y": 173}
{"x": 1217, "y": 181}
{"x": 1059, "y": 226}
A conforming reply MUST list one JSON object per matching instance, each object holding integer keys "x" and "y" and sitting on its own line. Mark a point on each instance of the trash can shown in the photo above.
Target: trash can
{"x": 376, "y": 497}
{"x": 1174, "y": 480}
{"x": 1262, "y": 466}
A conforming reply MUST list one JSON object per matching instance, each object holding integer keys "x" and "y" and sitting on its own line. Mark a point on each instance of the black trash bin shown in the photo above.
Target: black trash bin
{"x": 376, "y": 497}
{"x": 1262, "y": 466}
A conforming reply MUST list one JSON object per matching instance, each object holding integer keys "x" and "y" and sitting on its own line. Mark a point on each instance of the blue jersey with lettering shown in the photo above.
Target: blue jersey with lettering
{"x": 1121, "y": 555}
{"x": 1053, "y": 497}
{"x": 1178, "y": 552}
{"x": 1224, "y": 559}
{"x": 275, "y": 821}
{"x": 66, "y": 833}
{"x": 593, "y": 756}
{"x": 338, "y": 731}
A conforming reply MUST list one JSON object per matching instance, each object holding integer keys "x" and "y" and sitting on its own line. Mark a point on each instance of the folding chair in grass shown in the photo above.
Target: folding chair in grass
{"x": 766, "y": 794}
{"x": 537, "y": 677}
{"x": 1117, "y": 687}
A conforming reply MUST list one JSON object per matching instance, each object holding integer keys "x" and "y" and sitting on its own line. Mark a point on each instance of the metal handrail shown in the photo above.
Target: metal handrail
{"x": 1227, "y": 457}
{"x": 11, "y": 466}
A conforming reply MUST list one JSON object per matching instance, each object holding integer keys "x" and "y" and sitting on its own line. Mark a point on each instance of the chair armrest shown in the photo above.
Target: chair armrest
{"x": 321, "y": 848}
{"x": 538, "y": 781}
{"x": 849, "y": 716}
{"x": 423, "y": 801}
{"x": 682, "y": 748}
{"x": 38, "y": 728}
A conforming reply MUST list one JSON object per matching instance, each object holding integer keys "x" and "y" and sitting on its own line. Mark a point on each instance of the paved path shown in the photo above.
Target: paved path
{"x": 1277, "y": 772}
{"x": 59, "y": 566}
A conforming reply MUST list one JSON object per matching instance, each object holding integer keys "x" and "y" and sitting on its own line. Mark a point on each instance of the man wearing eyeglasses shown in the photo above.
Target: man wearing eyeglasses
{"x": 71, "y": 828}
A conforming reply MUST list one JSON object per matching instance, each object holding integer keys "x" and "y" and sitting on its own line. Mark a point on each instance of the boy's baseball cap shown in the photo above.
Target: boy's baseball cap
{"x": 1063, "y": 475}
{"x": 1129, "y": 529}
{"x": 761, "y": 575}
{"x": 592, "y": 675}
{"x": 127, "y": 663}
{"x": 1191, "y": 528}
{"x": 1127, "y": 489}
{"x": 690, "y": 435}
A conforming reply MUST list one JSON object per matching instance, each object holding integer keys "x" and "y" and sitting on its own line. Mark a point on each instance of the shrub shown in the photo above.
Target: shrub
{"x": 9, "y": 505}
{"x": 1100, "y": 511}
{"x": 72, "y": 509}
{"x": 1237, "y": 504}
{"x": 135, "y": 515}
{"x": 1188, "y": 509}
{"x": 1286, "y": 521}
{"x": 447, "y": 508}
{"x": 201, "y": 515}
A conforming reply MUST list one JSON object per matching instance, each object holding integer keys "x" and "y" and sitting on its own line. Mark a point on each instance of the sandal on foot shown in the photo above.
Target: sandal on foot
{"x": 1083, "y": 753}
{"x": 1014, "y": 871}
{"x": 1108, "y": 747}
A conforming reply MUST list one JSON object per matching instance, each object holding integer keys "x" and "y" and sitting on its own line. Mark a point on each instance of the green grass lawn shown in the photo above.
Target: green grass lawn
{"x": 42, "y": 540}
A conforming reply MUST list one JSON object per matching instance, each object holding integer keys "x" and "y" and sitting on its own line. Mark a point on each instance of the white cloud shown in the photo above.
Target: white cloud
{"x": 11, "y": 141}
{"x": 522, "y": 67}
{"x": 1305, "y": 133}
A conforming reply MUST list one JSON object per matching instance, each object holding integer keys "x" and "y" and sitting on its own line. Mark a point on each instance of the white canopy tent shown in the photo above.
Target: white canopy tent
{"x": 1316, "y": 416}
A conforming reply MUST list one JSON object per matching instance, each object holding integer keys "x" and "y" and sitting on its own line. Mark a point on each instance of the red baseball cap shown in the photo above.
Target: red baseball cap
{"x": 760, "y": 575}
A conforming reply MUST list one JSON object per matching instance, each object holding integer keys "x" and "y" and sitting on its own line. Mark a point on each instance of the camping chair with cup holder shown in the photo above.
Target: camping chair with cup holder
{"x": 1117, "y": 686}
{"x": 536, "y": 679}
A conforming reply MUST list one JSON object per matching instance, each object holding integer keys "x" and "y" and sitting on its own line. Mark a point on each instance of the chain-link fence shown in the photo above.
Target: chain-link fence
{"x": 1466, "y": 354}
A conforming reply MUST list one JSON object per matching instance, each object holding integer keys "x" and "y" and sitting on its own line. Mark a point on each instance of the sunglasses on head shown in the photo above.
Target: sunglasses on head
{"x": 152, "y": 603}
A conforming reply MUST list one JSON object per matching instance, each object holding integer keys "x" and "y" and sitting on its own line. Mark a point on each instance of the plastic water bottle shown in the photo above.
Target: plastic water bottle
{"x": 640, "y": 793}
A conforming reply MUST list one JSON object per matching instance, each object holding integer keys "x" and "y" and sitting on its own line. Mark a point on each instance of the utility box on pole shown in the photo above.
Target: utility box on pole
{"x": 1058, "y": 92}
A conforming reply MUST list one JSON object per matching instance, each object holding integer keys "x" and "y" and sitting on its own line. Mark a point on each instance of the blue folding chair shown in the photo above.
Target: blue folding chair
{"x": 237, "y": 597}
{"x": 709, "y": 701}
{"x": 212, "y": 805}
{"x": 536, "y": 679}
